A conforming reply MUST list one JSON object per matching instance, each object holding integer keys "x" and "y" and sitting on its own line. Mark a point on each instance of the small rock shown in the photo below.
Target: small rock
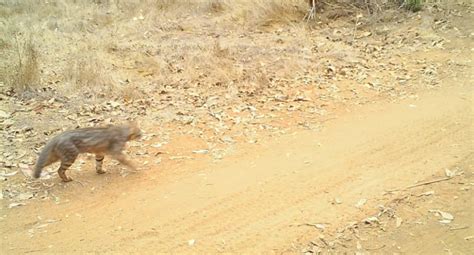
{"x": 361, "y": 203}
{"x": 25, "y": 196}
{"x": 428, "y": 193}
{"x": 371, "y": 220}
{"x": 320, "y": 226}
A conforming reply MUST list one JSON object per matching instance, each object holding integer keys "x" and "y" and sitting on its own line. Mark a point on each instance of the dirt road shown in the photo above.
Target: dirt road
{"x": 255, "y": 200}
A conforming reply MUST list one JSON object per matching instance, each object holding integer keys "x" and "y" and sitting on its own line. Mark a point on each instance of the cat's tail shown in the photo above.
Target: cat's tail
{"x": 44, "y": 159}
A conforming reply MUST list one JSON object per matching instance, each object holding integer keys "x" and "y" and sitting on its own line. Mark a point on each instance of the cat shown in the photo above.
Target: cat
{"x": 100, "y": 141}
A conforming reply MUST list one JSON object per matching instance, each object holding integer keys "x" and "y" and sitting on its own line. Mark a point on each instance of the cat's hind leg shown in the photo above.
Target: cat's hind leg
{"x": 68, "y": 154}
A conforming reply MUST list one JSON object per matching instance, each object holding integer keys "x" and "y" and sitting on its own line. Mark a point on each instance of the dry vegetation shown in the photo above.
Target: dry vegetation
{"x": 114, "y": 45}
{"x": 90, "y": 44}
{"x": 216, "y": 68}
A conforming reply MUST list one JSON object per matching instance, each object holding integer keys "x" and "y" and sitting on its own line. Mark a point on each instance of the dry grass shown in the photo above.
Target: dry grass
{"x": 109, "y": 46}
{"x": 22, "y": 73}
{"x": 95, "y": 27}
{"x": 86, "y": 73}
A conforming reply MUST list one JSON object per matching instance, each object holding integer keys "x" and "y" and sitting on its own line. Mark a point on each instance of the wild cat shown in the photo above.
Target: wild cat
{"x": 101, "y": 141}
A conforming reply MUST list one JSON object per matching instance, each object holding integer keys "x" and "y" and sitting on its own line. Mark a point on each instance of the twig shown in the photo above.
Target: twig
{"x": 355, "y": 28}
{"x": 428, "y": 182}
{"x": 422, "y": 184}
{"x": 376, "y": 248}
{"x": 316, "y": 225}
{"x": 30, "y": 251}
{"x": 18, "y": 52}
{"x": 324, "y": 241}
{"x": 312, "y": 12}
{"x": 459, "y": 228}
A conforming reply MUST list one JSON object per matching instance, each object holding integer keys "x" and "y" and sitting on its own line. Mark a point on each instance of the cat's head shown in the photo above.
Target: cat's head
{"x": 134, "y": 131}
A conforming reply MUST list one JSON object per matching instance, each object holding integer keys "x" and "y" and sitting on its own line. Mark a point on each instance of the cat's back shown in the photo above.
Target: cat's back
{"x": 82, "y": 133}
{"x": 86, "y": 139}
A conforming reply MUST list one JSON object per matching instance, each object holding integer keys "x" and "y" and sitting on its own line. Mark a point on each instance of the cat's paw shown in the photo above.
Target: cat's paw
{"x": 67, "y": 179}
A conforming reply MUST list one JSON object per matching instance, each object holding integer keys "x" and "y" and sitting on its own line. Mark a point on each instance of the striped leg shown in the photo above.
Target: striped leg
{"x": 98, "y": 163}
{"x": 65, "y": 164}
{"x": 67, "y": 153}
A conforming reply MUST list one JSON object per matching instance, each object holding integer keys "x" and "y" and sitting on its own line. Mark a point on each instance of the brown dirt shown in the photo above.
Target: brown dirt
{"x": 297, "y": 134}
{"x": 253, "y": 201}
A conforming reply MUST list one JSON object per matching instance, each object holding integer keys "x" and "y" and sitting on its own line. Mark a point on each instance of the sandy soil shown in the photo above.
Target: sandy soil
{"x": 259, "y": 199}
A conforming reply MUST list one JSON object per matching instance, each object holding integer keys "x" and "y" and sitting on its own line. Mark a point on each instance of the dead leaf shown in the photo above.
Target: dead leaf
{"x": 4, "y": 115}
{"x": 25, "y": 196}
{"x": 398, "y": 221}
{"x": 4, "y": 174}
{"x": 446, "y": 217}
{"x": 449, "y": 173}
{"x": 158, "y": 145}
{"x": 201, "y": 151}
{"x": 15, "y": 205}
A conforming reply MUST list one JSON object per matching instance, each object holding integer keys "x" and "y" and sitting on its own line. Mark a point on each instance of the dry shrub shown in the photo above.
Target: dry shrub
{"x": 130, "y": 92}
{"x": 378, "y": 6}
{"x": 87, "y": 74}
{"x": 279, "y": 11}
{"x": 169, "y": 4}
{"x": 245, "y": 11}
{"x": 213, "y": 6}
{"x": 22, "y": 71}
{"x": 216, "y": 6}
{"x": 267, "y": 12}
{"x": 30, "y": 7}
{"x": 132, "y": 8}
